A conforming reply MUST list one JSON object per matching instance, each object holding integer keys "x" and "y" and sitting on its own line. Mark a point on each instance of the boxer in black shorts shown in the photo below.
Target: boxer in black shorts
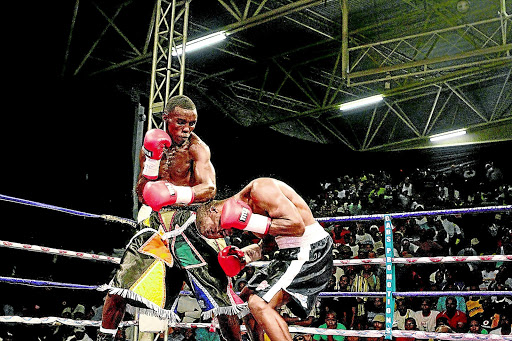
{"x": 300, "y": 270}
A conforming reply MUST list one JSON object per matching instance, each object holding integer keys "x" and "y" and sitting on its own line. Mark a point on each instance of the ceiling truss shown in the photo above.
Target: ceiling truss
{"x": 448, "y": 70}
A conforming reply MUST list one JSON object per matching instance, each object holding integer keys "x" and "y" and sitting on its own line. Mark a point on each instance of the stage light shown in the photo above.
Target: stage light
{"x": 199, "y": 43}
{"x": 448, "y": 135}
{"x": 361, "y": 102}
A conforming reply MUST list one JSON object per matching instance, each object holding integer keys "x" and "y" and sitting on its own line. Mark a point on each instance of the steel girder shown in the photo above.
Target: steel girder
{"x": 434, "y": 80}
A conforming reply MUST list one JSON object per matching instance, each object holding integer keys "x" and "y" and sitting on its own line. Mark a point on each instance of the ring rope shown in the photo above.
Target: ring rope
{"x": 388, "y": 259}
{"x": 380, "y": 216}
{"x": 293, "y": 329}
{"x": 69, "y": 211}
{"x": 39, "y": 283}
{"x": 336, "y": 262}
{"x": 414, "y": 293}
{"x": 68, "y": 253}
{"x": 425, "y": 260}
{"x": 399, "y": 333}
{"x": 59, "y": 320}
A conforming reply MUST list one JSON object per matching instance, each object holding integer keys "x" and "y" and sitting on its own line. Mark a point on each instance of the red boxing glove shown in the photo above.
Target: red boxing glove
{"x": 231, "y": 260}
{"x": 158, "y": 194}
{"x": 237, "y": 214}
{"x": 154, "y": 143}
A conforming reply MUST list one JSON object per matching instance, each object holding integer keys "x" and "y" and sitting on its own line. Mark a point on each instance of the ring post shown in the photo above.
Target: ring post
{"x": 390, "y": 275}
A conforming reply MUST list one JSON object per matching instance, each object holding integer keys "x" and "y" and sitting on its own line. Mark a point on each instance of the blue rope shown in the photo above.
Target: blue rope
{"x": 37, "y": 283}
{"x": 50, "y": 207}
{"x": 325, "y": 220}
{"x": 416, "y": 214}
{"x": 67, "y": 210}
{"x": 413, "y": 293}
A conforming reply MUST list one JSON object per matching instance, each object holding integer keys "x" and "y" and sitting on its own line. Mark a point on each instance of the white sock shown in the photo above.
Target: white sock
{"x": 108, "y": 331}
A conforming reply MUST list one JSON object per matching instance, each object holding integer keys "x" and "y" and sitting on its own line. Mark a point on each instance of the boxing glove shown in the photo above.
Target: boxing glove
{"x": 154, "y": 143}
{"x": 231, "y": 260}
{"x": 158, "y": 194}
{"x": 237, "y": 214}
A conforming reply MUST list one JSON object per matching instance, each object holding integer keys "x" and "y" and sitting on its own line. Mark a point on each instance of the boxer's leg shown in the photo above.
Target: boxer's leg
{"x": 229, "y": 326}
{"x": 113, "y": 313}
{"x": 268, "y": 318}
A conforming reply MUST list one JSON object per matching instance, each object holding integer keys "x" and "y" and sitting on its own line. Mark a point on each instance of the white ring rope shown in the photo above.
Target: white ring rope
{"x": 67, "y": 253}
{"x": 336, "y": 262}
{"x": 59, "y": 320}
{"x": 412, "y": 260}
{"x": 425, "y": 260}
{"x": 400, "y": 333}
{"x": 293, "y": 329}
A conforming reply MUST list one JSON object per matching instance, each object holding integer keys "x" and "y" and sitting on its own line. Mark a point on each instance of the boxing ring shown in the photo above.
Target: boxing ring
{"x": 389, "y": 262}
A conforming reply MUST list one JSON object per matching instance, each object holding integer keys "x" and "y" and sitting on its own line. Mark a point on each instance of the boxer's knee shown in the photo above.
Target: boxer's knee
{"x": 257, "y": 305}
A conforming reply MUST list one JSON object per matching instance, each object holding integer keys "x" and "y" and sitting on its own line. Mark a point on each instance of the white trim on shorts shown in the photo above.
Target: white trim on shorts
{"x": 290, "y": 273}
{"x": 312, "y": 234}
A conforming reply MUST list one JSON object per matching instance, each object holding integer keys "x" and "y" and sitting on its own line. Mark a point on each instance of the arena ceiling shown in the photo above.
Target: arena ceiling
{"x": 288, "y": 65}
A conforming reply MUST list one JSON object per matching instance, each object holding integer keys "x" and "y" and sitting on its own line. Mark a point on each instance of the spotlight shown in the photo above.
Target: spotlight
{"x": 361, "y": 102}
{"x": 199, "y": 43}
{"x": 448, "y": 135}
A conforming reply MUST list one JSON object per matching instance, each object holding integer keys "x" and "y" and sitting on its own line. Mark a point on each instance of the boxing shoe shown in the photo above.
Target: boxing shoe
{"x": 104, "y": 337}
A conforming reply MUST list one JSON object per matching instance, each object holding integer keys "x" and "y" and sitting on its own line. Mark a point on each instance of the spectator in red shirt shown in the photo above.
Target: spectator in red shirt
{"x": 338, "y": 234}
{"x": 457, "y": 320}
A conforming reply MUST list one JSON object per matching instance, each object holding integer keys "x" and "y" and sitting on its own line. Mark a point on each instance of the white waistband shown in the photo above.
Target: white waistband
{"x": 312, "y": 234}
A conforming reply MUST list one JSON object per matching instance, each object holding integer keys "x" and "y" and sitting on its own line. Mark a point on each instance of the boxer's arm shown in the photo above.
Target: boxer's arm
{"x": 233, "y": 260}
{"x": 158, "y": 194}
{"x": 252, "y": 253}
{"x": 142, "y": 180}
{"x": 286, "y": 218}
{"x": 155, "y": 142}
{"x": 238, "y": 214}
{"x": 204, "y": 186}
{"x": 203, "y": 181}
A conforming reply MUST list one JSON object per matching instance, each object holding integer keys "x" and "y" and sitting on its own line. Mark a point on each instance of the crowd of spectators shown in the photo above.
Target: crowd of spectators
{"x": 429, "y": 235}
{"x": 67, "y": 309}
{"x": 417, "y": 237}
{"x": 473, "y": 234}
{"x": 465, "y": 185}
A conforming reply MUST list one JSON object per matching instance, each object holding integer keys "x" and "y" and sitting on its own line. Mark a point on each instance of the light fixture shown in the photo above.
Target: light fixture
{"x": 448, "y": 135}
{"x": 199, "y": 43}
{"x": 361, "y": 102}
